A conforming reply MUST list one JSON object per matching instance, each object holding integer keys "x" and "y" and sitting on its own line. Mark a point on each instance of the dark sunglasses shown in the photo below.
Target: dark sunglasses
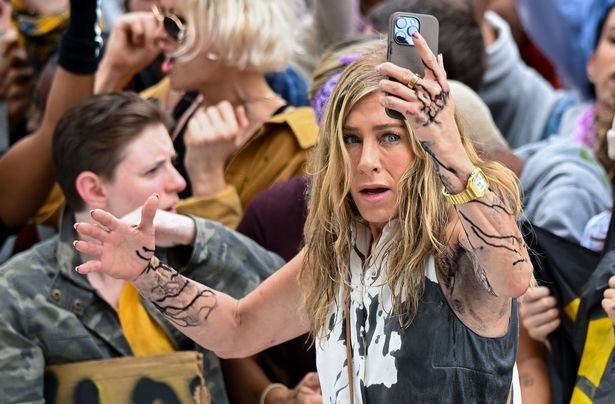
{"x": 172, "y": 24}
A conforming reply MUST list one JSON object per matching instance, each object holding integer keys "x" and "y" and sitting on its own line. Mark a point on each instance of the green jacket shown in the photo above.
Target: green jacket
{"x": 49, "y": 314}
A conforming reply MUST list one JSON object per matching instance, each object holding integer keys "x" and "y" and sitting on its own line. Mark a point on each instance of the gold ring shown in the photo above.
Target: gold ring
{"x": 413, "y": 80}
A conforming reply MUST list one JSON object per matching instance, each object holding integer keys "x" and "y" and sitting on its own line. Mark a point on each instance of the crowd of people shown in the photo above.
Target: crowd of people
{"x": 231, "y": 179}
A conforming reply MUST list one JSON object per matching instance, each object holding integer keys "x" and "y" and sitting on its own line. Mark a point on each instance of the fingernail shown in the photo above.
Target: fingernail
{"x": 75, "y": 226}
{"x": 157, "y": 196}
{"x": 77, "y": 269}
{"x": 75, "y": 243}
{"x": 414, "y": 33}
{"x": 91, "y": 212}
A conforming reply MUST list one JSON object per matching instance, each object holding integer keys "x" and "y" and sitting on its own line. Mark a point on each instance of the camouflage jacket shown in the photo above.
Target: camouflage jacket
{"x": 49, "y": 314}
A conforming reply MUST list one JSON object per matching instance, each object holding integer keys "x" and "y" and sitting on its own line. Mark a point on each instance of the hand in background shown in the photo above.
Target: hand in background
{"x": 307, "y": 391}
{"x": 608, "y": 302}
{"x": 213, "y": 135}
{"x": 539, "y": 313}
{"x": 131, "y": 47}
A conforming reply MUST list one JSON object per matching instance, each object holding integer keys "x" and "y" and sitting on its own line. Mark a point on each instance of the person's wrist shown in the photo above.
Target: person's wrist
{"x": 207, "y": 183}
{"x": 144, "y": 277}
{"x": 111, "y": 78}
{"x": 274, "y": 393}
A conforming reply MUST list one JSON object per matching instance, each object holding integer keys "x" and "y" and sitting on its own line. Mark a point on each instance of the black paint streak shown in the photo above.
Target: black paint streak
{"x": 431, "y": 105}
{"x": 171, "y": 286}
{"x": 147, "y": 251}
{"x": 481, "y": 234}
{"x": 492, "y": 206}
{"x": 439, "y": 165}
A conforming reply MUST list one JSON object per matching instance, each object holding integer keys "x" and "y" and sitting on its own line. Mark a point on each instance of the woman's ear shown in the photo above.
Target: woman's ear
{"x": 91, "y": 189}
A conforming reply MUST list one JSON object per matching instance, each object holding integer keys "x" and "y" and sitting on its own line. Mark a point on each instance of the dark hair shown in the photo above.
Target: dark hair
{"x": 597, "y": 38}
{"x": 460, "y": 39}
{"x": 601, "y": 23}
{"x": 92, "y": 136}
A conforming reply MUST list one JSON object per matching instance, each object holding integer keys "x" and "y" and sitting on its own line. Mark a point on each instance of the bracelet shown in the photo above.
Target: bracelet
{"x": 268, "y": 389}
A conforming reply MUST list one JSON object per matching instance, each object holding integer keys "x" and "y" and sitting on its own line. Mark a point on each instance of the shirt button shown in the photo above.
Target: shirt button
{"x": 77, "y": 305}
{"x": 56, "y": 294}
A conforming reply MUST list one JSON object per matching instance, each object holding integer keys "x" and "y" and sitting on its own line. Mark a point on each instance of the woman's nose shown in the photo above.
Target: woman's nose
{"x": 370, "y": 157}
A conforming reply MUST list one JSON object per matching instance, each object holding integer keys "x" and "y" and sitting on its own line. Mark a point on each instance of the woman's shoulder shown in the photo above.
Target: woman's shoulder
{"x": 300, "y": 122}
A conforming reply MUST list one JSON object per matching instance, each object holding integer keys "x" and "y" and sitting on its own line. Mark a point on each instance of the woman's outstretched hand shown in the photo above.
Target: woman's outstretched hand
{"x": 115, "y": 248}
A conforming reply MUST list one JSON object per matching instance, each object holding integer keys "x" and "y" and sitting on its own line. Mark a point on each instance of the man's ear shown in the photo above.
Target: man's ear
{"x": 91, "y": 189}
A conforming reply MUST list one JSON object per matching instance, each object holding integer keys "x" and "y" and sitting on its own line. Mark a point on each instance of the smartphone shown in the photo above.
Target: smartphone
{"x": 400, "y": 46}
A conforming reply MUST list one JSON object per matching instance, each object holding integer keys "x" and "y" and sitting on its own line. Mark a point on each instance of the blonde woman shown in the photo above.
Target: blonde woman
{"x": 235, "y": 136}
{"x": 413, "y": 260}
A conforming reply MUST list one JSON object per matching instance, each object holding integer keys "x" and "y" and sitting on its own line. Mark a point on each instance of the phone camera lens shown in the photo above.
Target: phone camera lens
{"x": 412, "y": 30}
{"x": 400, "y": 37}
{"x": 401, "y": 23}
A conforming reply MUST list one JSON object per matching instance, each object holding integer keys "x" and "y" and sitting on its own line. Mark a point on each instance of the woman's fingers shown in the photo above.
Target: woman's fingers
{"x": 94, "y": 231}
{"x": 398, "y": 89}
{"x": 89, "y": 266}
{"x": 541, "y": 333}
{"x": 539, "y": 319}
{"x": 149, "y": 212}
{"x": 88, "y": 248}
{"x": 407, "y": 109}
{"x": 105, "y": 218}
{"x": 531, "y": 308}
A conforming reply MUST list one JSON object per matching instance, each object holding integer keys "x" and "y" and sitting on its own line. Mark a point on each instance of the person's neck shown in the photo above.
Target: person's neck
{"x": 603, "y": 119}
{"x": 239, "y": 88}
{"x": 107, "y": 287}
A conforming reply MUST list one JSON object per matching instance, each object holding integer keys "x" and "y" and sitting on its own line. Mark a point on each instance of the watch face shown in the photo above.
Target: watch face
{"x": 480, "y": 184}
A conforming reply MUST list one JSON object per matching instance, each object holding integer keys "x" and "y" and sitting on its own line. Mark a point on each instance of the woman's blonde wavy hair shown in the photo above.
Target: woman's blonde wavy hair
{"x": 423, "y": 211}
{"x": 255, "y": 35}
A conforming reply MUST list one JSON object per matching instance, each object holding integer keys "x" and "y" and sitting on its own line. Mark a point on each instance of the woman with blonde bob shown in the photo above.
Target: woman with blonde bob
{"x": 412, "y": 264}
{"x": 231, "y": 123}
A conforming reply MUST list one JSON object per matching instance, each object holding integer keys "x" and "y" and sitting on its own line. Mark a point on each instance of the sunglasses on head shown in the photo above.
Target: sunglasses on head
{"x": 172, "y": 24}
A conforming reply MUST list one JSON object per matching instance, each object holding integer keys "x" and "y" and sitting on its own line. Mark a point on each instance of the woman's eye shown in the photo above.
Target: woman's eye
{"x": 390, "y": 138}
{"x": 351, "y": 139}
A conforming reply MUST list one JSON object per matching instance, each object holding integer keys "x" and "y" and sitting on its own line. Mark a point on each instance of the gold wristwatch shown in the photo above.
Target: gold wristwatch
{"x": 476, "y": 187}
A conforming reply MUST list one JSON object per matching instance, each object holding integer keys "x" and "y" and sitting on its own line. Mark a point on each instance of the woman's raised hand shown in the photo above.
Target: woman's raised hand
{"x": 117, "y": 249}
{"x": 214, "y": 134}
{"x": 424, "y": 102}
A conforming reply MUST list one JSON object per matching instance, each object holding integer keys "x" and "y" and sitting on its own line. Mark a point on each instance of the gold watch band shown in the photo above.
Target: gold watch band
{"x": 472, "y": 191}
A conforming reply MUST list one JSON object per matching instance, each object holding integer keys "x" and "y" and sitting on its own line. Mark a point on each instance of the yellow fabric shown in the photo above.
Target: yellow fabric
{"x": 277, "y": 152}
{"x": 599, "y": 344}
{"x": 578, "y": 397}
{"x": 572, "y": 308}
{"x": 49, "y": 213}
{"x": 143, "y": 334}
{"x": 158, "y": 91}
{"x": 225, "y": 206}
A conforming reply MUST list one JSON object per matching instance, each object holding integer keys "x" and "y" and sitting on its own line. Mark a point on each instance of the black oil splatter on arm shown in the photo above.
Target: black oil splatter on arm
{"x": 440, "y": 166}
{"x": 478, "y": 239}
{"x": 146, "y": 254}
{"x": 431, "y": 105}
{"x": 176, "y": 296}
